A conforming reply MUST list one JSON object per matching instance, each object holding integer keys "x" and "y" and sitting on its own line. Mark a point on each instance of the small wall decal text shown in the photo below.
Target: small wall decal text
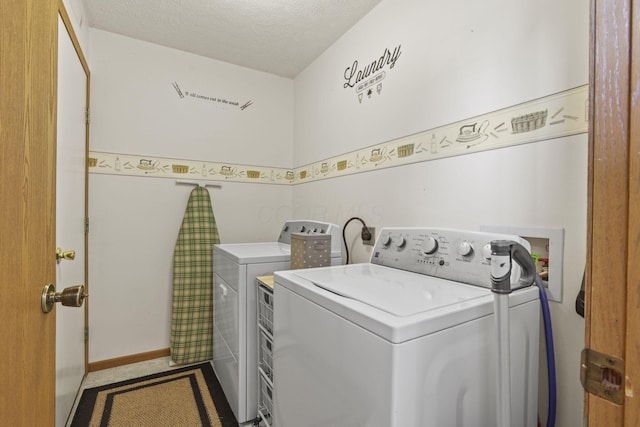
{"x": 225, "y": 102}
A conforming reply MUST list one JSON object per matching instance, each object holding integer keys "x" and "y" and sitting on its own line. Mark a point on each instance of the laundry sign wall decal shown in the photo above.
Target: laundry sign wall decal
{"x": 367, "y": 79}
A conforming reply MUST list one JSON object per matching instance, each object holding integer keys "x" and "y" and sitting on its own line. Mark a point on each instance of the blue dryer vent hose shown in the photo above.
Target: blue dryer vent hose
{"x": 551, "y": 362}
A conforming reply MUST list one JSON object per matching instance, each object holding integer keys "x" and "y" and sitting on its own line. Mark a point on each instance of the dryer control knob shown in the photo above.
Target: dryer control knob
{"x": 430, "y": 246}
{"x": 302, "y": 228}
{"x": 486, "y": 251}
{"x": 465, "y": 248}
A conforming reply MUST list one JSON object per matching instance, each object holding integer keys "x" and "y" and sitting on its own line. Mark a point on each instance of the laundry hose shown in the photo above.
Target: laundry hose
{"x": 551, "y": 362}
{"x": 502, "y": 254}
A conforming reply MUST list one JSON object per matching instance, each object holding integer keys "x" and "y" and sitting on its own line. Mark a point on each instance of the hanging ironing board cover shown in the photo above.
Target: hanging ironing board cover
{"x": 192, "y": 306}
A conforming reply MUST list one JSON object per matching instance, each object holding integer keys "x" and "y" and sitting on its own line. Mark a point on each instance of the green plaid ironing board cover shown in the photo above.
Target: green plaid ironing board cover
{"x": 192, "y": 306}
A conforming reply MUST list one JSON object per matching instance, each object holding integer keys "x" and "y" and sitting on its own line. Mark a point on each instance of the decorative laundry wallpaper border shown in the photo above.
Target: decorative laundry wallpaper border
{"x": 558, "y": 115}
{"x": 161, "y": 167}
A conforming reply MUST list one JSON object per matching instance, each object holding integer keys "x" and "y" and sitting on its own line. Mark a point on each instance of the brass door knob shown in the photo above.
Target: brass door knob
{"x": 68, "y": 255}
{"x": 72, "y": 296}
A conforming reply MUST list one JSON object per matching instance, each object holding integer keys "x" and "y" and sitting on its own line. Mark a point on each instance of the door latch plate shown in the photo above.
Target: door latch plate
{"x": 602, "y": 375}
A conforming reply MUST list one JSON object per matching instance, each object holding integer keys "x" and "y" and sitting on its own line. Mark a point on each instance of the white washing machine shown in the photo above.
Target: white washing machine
{"x": 235, "y": 268}
{"x": 406, "y": 340}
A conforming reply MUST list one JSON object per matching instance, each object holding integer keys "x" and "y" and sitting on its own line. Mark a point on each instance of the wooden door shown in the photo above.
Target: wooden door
{"x": 613, "y": 242}
{"x": 28, "y": 43}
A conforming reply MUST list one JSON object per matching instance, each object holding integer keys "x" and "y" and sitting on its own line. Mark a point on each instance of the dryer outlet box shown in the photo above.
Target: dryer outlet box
{"x": 547, "y": 248}
{"x": 372, "y": 236}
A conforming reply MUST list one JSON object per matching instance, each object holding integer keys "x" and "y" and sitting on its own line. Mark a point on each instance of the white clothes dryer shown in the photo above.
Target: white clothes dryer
{"x": 235, "y": 267}
{"x": 406, "y": 340}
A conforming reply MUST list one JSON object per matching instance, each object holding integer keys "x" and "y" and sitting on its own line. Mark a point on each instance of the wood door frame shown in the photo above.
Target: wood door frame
{"x": 632, "y": 350}
{"x": 613, "y": 226}
{"x": 76, "y": 44}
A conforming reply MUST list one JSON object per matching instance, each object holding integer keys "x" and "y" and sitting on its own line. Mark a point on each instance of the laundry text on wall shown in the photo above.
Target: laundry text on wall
{"x": 363, "y": 79}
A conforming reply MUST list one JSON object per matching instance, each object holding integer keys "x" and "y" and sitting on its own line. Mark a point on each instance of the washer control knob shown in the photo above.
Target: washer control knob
{"x": 302, "y": 228}
{"x": 465, "y": 248}
{"x": 401, "y": 242}
{"x": 430, "y": 246}
{"x": 386, "y": 241}
{"x": 486, "y": 251}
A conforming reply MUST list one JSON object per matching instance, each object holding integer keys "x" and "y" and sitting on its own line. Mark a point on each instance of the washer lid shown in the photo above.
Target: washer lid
{"x": 396, "y": 305}
{"x": 251, "y": 253}
{"x": 393, "y": 291}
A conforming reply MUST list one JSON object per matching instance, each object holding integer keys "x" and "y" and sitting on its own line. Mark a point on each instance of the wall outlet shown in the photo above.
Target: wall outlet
{"x": 372, "y": 235}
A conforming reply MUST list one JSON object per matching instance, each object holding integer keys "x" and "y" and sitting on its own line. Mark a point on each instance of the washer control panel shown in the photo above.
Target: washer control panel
{"x": 459, "y": 255}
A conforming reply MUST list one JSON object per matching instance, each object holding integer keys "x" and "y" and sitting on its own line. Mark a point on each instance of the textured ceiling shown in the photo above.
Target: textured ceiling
{"x": 281, "y": 37}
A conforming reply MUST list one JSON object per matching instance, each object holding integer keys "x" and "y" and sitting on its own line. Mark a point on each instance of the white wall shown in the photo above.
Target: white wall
{"x": 134, "y": 227}
{"x": 459, "y": 59}
{"x": 135, "y": 220}
{"x": 138, "y": 111}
